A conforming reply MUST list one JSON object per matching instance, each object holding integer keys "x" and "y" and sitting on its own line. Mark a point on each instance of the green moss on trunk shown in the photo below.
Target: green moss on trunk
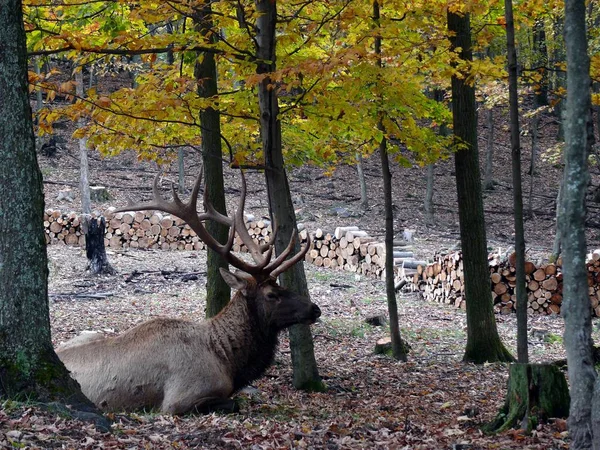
{"x": 536, "y": 392}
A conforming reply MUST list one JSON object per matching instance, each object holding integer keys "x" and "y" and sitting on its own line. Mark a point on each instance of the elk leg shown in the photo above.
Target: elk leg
{"x": 204, "y": 405}
{"x": 217, "y": 404}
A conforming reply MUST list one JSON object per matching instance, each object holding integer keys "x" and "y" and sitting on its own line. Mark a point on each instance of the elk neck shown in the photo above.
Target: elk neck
{"x": 243, "y": 340}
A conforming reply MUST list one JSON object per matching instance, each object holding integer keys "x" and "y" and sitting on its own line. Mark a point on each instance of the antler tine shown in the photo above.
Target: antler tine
{"x": 255, "y": 250}
{"x": 280, "y": 264}
{"x": 158, "y": 202}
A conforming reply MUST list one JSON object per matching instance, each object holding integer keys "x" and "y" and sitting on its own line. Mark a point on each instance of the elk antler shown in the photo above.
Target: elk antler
{"x": 187, "y": 211}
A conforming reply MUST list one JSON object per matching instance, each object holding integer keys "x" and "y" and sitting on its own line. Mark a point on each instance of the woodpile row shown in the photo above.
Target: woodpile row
{"x": 348, "y": 248}
{"x": 443, "y": 281}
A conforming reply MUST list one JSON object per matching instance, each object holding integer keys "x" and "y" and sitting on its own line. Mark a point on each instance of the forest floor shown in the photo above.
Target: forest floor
{"x": 434, "y": 401}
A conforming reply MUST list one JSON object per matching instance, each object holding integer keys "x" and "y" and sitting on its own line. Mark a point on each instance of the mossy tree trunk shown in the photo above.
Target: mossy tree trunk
{"x": 536, "y": 392}
{"x": 483, "y": 341}
{"x": 306, "y": 374}
{"x": 29, "y": 367}
{"x": 218, "y": 292}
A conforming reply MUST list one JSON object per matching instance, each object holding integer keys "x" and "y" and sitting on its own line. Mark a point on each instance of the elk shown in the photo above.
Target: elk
{"x": 181, "y": 366}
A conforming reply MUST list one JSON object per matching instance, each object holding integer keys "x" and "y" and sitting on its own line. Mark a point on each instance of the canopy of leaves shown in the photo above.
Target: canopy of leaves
{"x": 332, "y": 90}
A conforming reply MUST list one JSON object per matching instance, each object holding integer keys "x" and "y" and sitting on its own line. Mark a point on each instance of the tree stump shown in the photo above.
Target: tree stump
{"x": 94, "y": 246}
{"x": 384, "y": 346}
{"x": 536, "y": 392}
{"x": 99, "y": 194}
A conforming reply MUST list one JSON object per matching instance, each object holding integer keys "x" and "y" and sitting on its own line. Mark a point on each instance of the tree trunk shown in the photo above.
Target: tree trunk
{"x": 94, "y": 246}
{"x": 488, "y": 177}
{"x": 522, "y": 349}
{"x": 429, "y": 211}
{"x": 218, "y": 292}
{"x": 576, "y": 306}
{"x": 399, "y": 347}
{"x": 536, "y": 392}
{"x": 540, "y": 51}
{"x": 535, "y": 122}
{"x": 558, "y": 80}
{"x": 556, "y": 244}
{"x": 483, "y": 341}
{"x": 29, "y": 368}
{"x": 306, "y": 375}
{"x": 364, "y": 199}
{"x": 84, "y": 167}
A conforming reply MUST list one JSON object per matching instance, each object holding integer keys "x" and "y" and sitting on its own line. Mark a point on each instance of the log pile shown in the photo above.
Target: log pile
{"x": 443, "y": 281}
{"x": 128, "y": 229}
{"x": 348, "y": 248}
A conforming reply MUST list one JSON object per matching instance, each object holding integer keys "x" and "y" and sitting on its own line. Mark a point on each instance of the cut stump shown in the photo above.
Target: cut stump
{"x": 94, "y": 246}
{"x": 384, "y": 346}
{"x": 536, "y": 392}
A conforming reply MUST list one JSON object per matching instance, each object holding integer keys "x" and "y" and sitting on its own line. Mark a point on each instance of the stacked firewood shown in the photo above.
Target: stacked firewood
{"x": 348, "y": 248}
{"x": 63, "y": 228}
{"x": 443, "y": 281}
{"x": 128, "y": 229}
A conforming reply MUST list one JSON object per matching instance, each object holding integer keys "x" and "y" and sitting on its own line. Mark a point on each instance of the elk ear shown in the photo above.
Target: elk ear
{"x": 234, "y": 281}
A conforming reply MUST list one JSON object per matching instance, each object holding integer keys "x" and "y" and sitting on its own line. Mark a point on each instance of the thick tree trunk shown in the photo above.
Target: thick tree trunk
{"x": 306, "y": 375}
{"x": 522, "y": 349}
{"x": 29, "y": 368}
{"x": 576, "y": 307}
{"x": 218, "y": 292}
{"x": 94, "y": 246}
{"x": 536, "y": 392}
{"x": 483, "y": 341}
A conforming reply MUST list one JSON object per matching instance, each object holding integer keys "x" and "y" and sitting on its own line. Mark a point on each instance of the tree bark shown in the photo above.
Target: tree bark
{"x": 522, "y": 348}
{"x": 576, "y": 307}
{"x": 306, "y": 374}
{"x": 218, "y": 292}
{"x": 536, "y": 392}
{"x": 29, "y": 367}
{"x": 483, "y": 341}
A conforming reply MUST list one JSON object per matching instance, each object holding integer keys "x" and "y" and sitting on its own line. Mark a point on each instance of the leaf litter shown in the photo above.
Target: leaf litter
{"x": 432, "y": 402}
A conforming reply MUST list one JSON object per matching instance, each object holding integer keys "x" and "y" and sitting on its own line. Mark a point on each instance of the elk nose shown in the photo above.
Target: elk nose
{"x": 316, "y": 311}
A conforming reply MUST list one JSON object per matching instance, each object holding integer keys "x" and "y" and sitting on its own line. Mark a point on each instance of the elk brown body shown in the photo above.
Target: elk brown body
{"x": 180, "y": 366}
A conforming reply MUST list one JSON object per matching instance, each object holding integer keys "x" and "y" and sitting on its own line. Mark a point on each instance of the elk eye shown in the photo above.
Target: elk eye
{"x": 272, "y": 296}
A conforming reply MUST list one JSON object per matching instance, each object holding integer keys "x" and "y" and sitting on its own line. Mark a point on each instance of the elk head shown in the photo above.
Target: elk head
{"x": 276, "y": 306}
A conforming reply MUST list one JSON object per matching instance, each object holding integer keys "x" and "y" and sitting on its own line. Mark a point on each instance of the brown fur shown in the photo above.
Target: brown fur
{"x": 179, "y": 366}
